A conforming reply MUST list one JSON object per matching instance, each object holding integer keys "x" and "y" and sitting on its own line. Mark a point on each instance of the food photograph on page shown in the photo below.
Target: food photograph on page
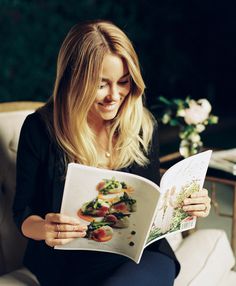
{"x": 110, "y": 211}
{"x": 118, "y": 209}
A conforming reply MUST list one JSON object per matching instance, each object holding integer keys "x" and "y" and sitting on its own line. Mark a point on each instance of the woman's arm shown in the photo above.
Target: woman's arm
{"x": 54, "y": 228}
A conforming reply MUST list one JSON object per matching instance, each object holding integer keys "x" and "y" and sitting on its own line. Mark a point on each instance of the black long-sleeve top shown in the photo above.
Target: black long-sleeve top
{"x": 39, "y": 190}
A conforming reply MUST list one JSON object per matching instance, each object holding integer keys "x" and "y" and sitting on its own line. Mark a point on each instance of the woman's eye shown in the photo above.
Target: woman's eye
{"x": 101, "y": 86}
{"x": 124, "y": 82}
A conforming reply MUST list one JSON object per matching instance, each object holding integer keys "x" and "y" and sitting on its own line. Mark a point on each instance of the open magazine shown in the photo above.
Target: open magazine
{"x": 125, "y": 212}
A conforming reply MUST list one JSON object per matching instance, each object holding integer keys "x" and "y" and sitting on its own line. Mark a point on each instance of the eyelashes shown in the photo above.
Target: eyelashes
{"x": 122, "y": 83}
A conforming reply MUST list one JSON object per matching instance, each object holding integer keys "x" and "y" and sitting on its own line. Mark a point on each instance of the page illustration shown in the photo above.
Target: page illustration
{"x": 117, "y": 207}
{"x": 178, "y": 183}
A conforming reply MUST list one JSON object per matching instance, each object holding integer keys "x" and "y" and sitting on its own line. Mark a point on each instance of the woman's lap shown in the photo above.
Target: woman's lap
{"x": 154, "y": 269}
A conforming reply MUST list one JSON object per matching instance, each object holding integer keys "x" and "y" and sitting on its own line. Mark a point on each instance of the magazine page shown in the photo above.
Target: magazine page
{"x": 118, "y": 208}
{"x": 179, "y": 182}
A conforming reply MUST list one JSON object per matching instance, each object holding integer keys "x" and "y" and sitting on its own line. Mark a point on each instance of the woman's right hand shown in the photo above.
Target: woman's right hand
{"x": 60, "y": 229}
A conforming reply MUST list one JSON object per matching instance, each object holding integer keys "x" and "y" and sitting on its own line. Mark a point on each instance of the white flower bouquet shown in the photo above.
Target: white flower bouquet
{"x": 192, "y": 116}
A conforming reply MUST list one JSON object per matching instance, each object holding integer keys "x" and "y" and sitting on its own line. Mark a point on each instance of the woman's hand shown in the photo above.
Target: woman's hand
{"x": 199, "y": 204}
{"x": 60, "y": 229}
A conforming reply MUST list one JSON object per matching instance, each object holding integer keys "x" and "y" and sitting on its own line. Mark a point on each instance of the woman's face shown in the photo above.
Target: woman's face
{"x": 113, "y": 88}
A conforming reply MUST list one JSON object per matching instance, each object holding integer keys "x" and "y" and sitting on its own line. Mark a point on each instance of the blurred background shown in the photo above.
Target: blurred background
{"x": 186, "y": 48}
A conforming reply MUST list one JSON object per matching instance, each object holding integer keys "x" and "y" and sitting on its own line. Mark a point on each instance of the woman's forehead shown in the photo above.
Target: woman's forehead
{"x": 113, "y": 68}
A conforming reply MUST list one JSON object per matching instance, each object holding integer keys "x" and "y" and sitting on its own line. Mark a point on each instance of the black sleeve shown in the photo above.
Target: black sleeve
{"x": 152, "y": 170}
{"x": 27, "y": 168}
{"x": 154, "y": 167}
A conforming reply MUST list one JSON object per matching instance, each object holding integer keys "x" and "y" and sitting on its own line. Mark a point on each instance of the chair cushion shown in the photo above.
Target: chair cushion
{"x": 229, "y": 279}
{"x": 12, "y": 244}
{"x": 205, "y": 258}
{"x": 20, "y": 277}
{"x": 175, "y": 240}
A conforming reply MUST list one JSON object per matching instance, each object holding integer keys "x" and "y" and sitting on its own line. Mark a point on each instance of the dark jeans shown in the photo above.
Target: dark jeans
{"x": 154, "y": 269}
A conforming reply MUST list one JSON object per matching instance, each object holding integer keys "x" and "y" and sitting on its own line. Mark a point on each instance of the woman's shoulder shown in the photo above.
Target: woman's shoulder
{"x": 35, "y": 128}
{"x": 34, "y": 123}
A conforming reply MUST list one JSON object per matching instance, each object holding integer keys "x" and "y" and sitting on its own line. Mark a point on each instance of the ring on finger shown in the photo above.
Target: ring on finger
{"x": 206, "y": 208}
{"x": 58, "y": 234}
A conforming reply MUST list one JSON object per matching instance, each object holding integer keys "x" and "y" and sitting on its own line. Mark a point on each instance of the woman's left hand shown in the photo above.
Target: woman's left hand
{"x": 198, "y": 204}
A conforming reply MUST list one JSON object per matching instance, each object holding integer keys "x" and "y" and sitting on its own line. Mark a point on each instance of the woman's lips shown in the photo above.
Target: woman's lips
{"x": 108, "y": 106}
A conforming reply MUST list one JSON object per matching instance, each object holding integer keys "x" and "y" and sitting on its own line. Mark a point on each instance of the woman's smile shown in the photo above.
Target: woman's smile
{"x": 108, "y": 106}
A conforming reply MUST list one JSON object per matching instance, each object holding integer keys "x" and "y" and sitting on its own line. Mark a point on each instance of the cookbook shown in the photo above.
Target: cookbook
{"x": 126, "y": 212}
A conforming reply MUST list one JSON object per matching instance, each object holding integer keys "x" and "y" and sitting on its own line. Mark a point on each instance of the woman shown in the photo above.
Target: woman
{"x": 95, "y": 117}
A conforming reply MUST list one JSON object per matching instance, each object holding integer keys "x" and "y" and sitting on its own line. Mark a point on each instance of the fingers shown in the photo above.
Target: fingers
{"x": 198, "y": 204}
{"x": 61, "y": 229}
{"x": 60, "y": 218}
{"x": 61, "y": 238}
{"x": 68, "y": 227}
{"x": 65, "y": 235}
{"x": 198, "y": 207}
{"x": 202, "y": 193}
{"x": 200, "y": 213}
{"x": 198, "y": 200}
{"x": 53, "y": 242}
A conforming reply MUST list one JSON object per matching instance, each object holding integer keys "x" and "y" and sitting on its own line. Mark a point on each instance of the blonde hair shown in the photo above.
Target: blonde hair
{"x": 78, "y": 69}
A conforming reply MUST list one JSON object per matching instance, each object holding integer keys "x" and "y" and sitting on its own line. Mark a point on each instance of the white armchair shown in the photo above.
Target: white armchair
{"x": 206, "y": 257}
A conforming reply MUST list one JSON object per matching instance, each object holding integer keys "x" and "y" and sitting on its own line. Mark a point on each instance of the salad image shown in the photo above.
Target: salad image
{"x": 100, "y": 232}
{"x": 117, "y": 220}
{"x": 110, "y": 186}
{"x": 110, "y": 189}
{"x": 124, "y": 204}
{"x": 110, "y": 210}
{"x": 96, "y": 208}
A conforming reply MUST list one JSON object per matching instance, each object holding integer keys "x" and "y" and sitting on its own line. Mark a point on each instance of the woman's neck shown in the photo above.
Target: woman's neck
{"x": 102, "y": 133}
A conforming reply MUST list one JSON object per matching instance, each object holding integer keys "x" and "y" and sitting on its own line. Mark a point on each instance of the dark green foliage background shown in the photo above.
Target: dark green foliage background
{"x": 185, "y": 47}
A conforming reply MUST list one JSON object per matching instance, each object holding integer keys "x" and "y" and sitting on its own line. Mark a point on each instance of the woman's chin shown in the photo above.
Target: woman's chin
{"x": 108, "y": 115}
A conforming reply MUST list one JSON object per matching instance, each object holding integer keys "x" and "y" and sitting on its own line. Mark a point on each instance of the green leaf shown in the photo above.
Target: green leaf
{"x": 174, "y": 122}
{"x": 164, "y": 100}
{"x": 178, "y": 102}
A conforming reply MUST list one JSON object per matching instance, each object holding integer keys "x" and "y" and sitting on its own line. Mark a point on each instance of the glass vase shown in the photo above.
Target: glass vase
{"x": 188, "y": 148}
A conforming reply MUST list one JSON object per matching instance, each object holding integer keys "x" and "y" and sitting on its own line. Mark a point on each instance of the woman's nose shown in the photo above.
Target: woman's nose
{"x": 114, "y": 93}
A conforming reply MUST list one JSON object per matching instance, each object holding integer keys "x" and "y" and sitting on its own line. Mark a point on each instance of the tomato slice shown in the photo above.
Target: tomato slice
{"x": 101, "y": 185}
{"x": 85, "y": 217}
{"x": 103, "y": 239}
{"x": 120, "y": 207}
{"x": 100, "y": 235}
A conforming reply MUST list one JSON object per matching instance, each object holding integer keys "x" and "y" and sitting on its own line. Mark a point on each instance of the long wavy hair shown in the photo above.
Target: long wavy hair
{"x": 78, "y": 69}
